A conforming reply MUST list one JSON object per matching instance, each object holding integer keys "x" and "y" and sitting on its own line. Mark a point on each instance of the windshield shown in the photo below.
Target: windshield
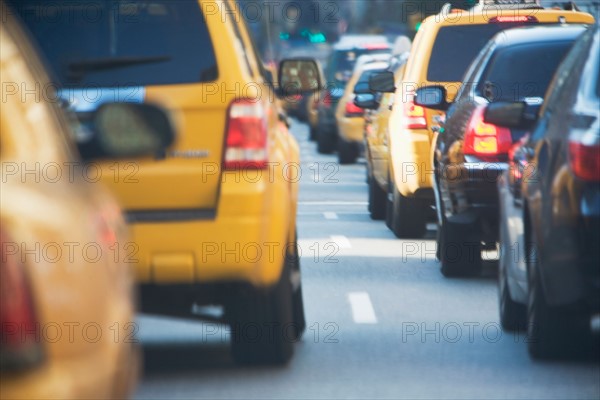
{"x": 342, "y": 63}
{"x": 109, "y": 43}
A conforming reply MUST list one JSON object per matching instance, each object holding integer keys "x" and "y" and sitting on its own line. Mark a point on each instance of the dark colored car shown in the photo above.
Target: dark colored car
{"x": 549, "y": 272}
{"x": 339, "y": 70}
{"x": 469, "y": 154}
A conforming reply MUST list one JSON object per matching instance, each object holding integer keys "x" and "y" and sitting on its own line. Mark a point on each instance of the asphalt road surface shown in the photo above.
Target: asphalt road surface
{"x": 383, "y": 323}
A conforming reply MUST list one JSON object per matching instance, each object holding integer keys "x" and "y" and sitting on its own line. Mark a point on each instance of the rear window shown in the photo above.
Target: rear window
{"x": 456, "y": 47}
{"x": 517, "y": 72}
{"x": 342, "y": 63}
{"x": 110, "y": 43}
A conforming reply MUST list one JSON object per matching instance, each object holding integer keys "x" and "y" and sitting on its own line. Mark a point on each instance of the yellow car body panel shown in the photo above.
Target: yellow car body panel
{"x": 411, "y": 164}
{"x": 64, "y": 229}
{"x": 250, "y": 209}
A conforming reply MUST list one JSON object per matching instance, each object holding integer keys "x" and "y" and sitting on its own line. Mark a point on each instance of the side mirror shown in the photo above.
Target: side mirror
{"x": 382, "y": 82}
{"x": 125, "y": 130}
{"x": 431, "y": 97}
{"x": 299, "y": 76}
{"x": 518, "y": 115}
{"x": 362, "y": 88}
{"x": 366, "y": 101}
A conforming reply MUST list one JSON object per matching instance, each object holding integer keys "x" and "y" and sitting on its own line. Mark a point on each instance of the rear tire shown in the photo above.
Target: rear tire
{"x": 325, "y": 141}
{"x": 264, "y": 331}
{"x": 347, "y": 152}
{"x": 377, "y": 200}
{"x": 405, "y": 215}
{"x": 513, "y": 315}
{"x": 459, "y": 246}
{"x": 552, "y": 332}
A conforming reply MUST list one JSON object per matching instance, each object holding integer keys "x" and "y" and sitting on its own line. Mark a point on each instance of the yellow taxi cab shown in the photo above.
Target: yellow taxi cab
{"x": 445, "y": 45}
{"x": 214, "y": 217}
{"x": 66, "y": 282}
{"x": 377, "y": 150}
{"x": 349, "y": 117}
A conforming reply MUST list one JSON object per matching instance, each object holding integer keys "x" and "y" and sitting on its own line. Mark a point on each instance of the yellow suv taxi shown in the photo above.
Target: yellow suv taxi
{"x": 215, "y": 216}
{"x": 445, "y": 45}
{"x": 66, "y": 278}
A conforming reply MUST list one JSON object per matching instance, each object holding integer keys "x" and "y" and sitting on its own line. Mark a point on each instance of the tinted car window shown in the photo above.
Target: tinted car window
{"x": 110, "y": 43}
{"x": 517, "y": 72}
{"x": 456, "y": 47}
{"x": 341, "y": 65}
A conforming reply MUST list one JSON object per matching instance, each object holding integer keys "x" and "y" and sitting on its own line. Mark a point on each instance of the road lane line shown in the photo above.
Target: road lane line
{"x": 341, "y": 241}
{"x": 330, "y": 215}
{"x": 362, "y": 309}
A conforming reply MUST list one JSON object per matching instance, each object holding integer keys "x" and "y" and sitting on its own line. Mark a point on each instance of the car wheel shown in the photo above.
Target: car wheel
{"x": 459, "y": 246}
{"x": 513, "y": 315}
{"x": 347, "y": 152}
{"x": 406, "y": 216}
{"x": 325, "y": 141}
{"x": 263, "y": 331}
{"x": 377, "y": 200}
{"x": 312, "y": 134}
{"x": 552, "y": 332}
{"x": 299, "y": 324}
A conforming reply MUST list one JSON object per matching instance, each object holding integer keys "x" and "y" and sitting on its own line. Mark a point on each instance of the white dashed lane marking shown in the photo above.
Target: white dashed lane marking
{"x": 362, "y": 309}
{"x": 341, "y": 241}
{"x": 330, "y": 215}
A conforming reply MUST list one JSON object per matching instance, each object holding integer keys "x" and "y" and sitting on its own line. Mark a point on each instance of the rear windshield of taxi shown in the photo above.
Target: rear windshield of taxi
{"x": 341, "y": 65}
{"x": 456, "y": 47}
{"x": 110, "y": 43}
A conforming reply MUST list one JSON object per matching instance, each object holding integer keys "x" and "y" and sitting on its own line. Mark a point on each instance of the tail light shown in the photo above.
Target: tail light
{"x": 584, "y": 156}
{"x": 483, "y": 139}
{"x": 246, "y": 146}
{"x": 414, "y": 116}
{"x": 327, "y": 100}
{"x": 352, "y": 110}
{"x": 20, "y": 341}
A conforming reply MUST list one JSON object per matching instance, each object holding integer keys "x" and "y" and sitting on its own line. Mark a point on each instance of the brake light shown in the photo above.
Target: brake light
{"x": 414, "y": 116}
{"x": 327, "y": 100}
{"x": 585, "y": 160}
{"x": 246, "y": 136}
{"x": 376, "y": 46}
{"x": 513, "y": 18}
{"x": 19, "y": 343}
{"x": 485, "y": 139}
{"x": 352, "y": 110}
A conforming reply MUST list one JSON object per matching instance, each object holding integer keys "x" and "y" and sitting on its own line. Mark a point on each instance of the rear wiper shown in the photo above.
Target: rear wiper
{"x": 77, "y": 68}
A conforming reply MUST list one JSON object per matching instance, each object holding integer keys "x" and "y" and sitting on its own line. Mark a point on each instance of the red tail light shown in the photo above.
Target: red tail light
{"x": 513, "y": 19}
{"x": 327, "y": 100}
{"x": 483, "y": 139}
{"x": 20, "y": 341}
{"x": 414, "y": 116}
{"x": 352, "y": 110}
{"x": 585, "y": 160}
{"x": 246, "y": 136}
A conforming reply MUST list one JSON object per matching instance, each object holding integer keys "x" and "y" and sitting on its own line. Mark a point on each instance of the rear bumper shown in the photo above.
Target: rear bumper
{"x": 351, "y": 129}
{"x": 474, "y": 188}
{"x": 246, "y": 240}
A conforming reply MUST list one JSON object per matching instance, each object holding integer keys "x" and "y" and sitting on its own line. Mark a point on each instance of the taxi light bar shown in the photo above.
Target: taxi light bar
{"x": 246, "y": 146}
{"x": 513, "y": 18}
{"x": 484, "y": 139}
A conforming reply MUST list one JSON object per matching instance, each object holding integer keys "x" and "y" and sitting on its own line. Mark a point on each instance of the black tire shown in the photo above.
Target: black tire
{"x": 312, "y": 134}
{"x": 299, "y": 318}
{"x": 263, "y": 330}
{"x": 405, "y": 216}
{"x": 552, "y": 332}
{"x": 513, "y": 315}
{"x": 377, "y": 200}
{"x": 459, "y": 246}
{"x": 347, "y": 152}
{"x": 325, "y": 141}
